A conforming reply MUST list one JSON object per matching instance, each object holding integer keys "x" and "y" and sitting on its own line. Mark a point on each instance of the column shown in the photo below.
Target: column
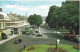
{"x": 1, "y": 25}
{"x": 4, "y": 25}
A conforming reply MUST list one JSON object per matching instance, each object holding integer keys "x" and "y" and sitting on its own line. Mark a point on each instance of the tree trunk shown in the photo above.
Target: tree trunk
{"x": 71, "y": 30}
{"x": 77, "y": 31}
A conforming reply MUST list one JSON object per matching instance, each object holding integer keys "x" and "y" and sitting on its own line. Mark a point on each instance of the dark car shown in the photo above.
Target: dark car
{"x": 77, "y": 38}
{"x": 69, "y": 36}
{"x": 72, "y": 37}
{"x": 17, "y": 41}
{"x": 4, "y": 36}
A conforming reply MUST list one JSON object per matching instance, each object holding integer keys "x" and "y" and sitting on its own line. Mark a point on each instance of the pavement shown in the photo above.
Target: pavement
{"x": 9, "y": 38}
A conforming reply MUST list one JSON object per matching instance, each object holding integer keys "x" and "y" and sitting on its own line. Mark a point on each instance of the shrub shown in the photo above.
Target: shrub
{"x": 59, "y": 49}
{"x": 50, "y": 48}
{"x": 31, "y": 48}
{"x": 31, "y": 31}
{"x": 24, "y": 32}
{"x": 76, "y": 47}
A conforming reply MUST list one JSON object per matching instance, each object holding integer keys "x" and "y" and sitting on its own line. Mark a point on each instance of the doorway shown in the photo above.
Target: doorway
{"x": 15, "y": 31}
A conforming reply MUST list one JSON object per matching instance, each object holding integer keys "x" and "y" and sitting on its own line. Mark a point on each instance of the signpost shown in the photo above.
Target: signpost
{"x": 58, "y": 41}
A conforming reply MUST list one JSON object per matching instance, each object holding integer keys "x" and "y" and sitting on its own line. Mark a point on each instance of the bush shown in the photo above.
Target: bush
{"x": 76, "y": 47}
{"x": 31, "y": 48}
{"x": 27, "y": 28}
{"x": 59, "y": 49}
{"x": 24, "y": 32}
{"x": 31, "y": 31}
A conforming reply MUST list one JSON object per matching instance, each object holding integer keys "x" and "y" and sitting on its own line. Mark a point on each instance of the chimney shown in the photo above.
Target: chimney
{"x": 0, "y": 9}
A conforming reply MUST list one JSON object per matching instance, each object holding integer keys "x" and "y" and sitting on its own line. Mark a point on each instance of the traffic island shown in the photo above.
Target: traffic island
{"x": 50, "y": 48}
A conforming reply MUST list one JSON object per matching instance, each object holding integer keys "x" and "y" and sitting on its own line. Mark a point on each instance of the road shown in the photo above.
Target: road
{"x": 30, "y": 40}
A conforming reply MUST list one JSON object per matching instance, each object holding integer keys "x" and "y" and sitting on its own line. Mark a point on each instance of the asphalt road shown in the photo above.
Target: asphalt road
{"x": 30, "y": 40}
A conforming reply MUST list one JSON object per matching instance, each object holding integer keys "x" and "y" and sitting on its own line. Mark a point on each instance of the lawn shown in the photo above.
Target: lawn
{"x": 63, "y": 30}
{"x": 44, "y": 48}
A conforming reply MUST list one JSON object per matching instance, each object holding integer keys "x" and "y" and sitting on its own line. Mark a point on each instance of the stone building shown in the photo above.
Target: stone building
{"x": 11, "y": 24}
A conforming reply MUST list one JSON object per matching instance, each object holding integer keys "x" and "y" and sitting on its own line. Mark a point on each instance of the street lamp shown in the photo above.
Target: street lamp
{"x": 57, "y": 42}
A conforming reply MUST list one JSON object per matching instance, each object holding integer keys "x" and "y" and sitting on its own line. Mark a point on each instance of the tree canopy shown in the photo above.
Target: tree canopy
{"x": 35, "y": 19}
{"x": 65, "y": 16}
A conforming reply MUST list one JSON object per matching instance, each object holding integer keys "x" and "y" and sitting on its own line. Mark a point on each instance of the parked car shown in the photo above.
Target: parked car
{"x": 77, "y": 38}
{"x": 72, "y": 37}
{"x": 4, "y": 36}
{"x": 38, "y": 34}
{"x": 69, "y": 36}
{"x": 17, "y": 41}
{"x": 26, "y": 32}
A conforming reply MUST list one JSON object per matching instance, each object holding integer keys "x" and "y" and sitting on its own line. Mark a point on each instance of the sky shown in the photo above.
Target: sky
{"x": 28, "y": 7}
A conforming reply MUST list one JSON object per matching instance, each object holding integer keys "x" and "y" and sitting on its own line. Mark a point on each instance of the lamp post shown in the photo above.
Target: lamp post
{"x": 57, "y": 42}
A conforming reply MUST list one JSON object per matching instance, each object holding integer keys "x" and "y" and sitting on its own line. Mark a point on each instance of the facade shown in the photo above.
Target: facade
{"x": 11, "y": 24}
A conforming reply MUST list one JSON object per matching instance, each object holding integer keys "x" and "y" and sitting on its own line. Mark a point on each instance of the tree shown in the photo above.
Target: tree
{"x": 65, "y": 16}
{"x": 72, "y": 8}
{"x": 35, "y": 19}
{"x": 50, "y": 16}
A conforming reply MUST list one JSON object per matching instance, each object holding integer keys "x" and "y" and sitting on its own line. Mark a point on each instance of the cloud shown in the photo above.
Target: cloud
{"x": 36, "y": 10}
{"x": 11, "y": 6}
{"x": 4, "y": 14}
{"x": 31, "y": 8}
{"x": 19, "y": 7}
{"x": 1, "y": 7}
{"x": 33, "y": 0}
{"x": 44, "y": 6}
{"x": 23, "y": 8}
{"x": 58, "y": 5}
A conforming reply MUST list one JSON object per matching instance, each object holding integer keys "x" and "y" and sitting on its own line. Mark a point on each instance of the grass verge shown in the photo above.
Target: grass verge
{"x": 44, "y": 48}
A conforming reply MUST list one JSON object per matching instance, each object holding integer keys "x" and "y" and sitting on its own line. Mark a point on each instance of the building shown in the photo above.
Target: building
{"x": 11, "y": 24}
